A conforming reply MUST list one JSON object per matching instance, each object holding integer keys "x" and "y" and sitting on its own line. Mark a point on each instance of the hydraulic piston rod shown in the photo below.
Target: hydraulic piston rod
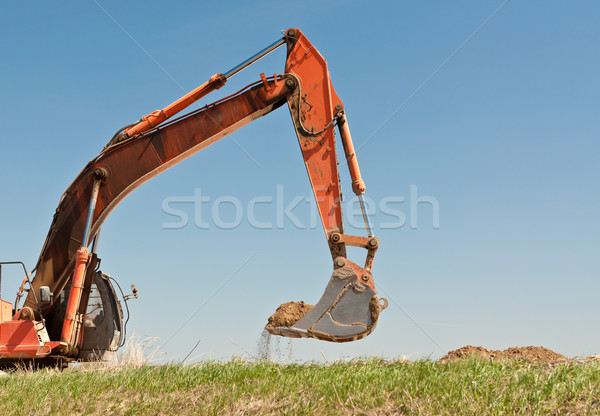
{"x": 72, "y": 323}
{"x": 215, "y": 82}
{"x": 358, "y": 186}
{"x": 90, "y": 216}
{"x": 363, "y": 209}
{"x": 254, "y": 58}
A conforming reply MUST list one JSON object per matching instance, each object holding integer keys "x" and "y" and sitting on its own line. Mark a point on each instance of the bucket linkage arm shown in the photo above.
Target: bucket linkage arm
{"x": 349, "y": 308}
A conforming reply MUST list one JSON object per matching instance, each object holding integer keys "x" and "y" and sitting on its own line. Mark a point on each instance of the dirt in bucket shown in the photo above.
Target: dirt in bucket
{"x": 287, "y": 314}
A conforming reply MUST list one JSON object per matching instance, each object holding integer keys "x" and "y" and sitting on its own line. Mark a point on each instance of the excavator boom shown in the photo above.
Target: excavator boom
{"x": 65, "y": 271}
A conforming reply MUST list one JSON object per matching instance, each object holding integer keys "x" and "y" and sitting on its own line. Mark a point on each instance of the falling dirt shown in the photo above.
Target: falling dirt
{"x": 532, "y": 354}
{"x": 287, "y": 314}
{"x": 263, "y": 347}
{"x": 270, "y": 348}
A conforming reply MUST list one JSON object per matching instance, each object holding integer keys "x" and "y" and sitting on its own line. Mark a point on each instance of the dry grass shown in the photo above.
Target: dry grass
{"x": 370, "y": 387}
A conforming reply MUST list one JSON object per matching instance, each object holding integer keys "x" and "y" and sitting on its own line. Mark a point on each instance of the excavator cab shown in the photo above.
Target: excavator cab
{"x": 102, "y": 323}
{"x": 29, "y": 333}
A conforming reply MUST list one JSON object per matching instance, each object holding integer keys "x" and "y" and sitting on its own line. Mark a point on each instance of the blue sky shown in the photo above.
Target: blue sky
{"x": 488, "y": 107}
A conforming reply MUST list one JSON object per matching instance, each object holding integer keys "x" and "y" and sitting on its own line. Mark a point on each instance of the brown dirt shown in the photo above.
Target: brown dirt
{"x": 287, "y": 314}
{"x": 532, "y": 354}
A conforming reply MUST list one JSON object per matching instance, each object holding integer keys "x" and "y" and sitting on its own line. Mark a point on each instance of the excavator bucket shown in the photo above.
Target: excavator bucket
{"x": 348, "y": 310}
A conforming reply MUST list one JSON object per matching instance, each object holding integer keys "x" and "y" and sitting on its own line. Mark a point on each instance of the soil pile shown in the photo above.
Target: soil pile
{"x": 287, "y": 314}
{"x": 533, "y": 354}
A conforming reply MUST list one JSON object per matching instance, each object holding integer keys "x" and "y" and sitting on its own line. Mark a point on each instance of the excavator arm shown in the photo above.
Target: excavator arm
{"x": 349, "y": 308}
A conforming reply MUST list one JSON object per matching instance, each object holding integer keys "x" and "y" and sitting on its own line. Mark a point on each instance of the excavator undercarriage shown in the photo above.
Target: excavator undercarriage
{"x": 71, "y": 310}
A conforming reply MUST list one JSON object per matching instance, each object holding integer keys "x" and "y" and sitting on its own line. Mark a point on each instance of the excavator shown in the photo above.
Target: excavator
{"x": 71, "y": 310}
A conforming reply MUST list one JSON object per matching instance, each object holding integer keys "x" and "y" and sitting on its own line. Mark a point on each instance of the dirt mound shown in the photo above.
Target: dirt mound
{"x": 287, "y": 314}
{"x": 532, "y": 354}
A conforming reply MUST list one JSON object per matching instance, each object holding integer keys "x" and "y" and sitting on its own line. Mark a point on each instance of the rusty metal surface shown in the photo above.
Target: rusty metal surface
{"x": 131, "y": 163}
{"x": 312, "y": 107}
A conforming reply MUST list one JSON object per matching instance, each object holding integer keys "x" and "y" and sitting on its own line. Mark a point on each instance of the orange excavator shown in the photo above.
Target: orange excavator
{"x": 71, "y": 310}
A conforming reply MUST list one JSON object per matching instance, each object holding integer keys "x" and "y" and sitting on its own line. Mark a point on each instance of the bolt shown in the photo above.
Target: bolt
{"x": 100, "y": 173}
{"x": 290, "y": 83}
{"x": 359, "y": 287}
{"x": 340, "y": 262}
{"x": 365, "y": 277}
{"x": 373, "y": 242}
{"x": 335, "y": 238}
{"x": 338, "y": 107}
{"x": 291, "y": 32}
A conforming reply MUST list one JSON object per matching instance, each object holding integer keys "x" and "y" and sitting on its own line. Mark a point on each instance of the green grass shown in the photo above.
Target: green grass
{"x": 471, "y": 387}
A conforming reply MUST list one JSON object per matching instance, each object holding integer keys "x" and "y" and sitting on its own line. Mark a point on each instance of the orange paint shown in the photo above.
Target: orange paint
{"x": 19, "y": 339}
{"x": 81, "y": 261}
{"x": 5, "y": 311}
{"x": 155, "y": 118}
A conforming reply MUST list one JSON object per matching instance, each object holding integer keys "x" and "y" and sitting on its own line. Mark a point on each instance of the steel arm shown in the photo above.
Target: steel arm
{"x": 315, "y": 109}
{"x": 143, "y": 150}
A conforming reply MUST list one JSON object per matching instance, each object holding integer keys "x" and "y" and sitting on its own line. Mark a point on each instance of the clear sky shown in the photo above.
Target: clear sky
{"x": 487, "y": 110}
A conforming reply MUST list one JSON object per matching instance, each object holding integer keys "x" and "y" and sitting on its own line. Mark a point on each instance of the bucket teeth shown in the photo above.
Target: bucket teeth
{"x": 347, "y": 311}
